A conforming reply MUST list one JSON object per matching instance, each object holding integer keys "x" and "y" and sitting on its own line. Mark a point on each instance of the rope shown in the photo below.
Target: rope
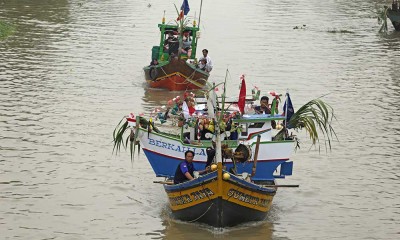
{"x": 187, "y": 80}
{"x": 194, "y": 220}
{"x": 208, "y": 209}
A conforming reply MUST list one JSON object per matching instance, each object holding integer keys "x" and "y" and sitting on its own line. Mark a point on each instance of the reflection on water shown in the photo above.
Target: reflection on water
{"x": 180, "y": 230}
{"x": 175, "y": 229}
{"x": 73, "y": 68}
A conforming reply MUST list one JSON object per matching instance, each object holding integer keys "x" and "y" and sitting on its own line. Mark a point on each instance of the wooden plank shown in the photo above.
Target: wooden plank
{"x": 164, "y": 182}
{"x": 280, "y": 185}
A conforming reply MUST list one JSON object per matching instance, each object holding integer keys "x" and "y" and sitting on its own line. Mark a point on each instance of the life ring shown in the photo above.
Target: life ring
{"x": 153, "y": 72}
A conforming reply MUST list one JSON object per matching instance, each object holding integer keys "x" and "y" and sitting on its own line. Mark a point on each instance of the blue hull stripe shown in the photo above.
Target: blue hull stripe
{"x": 165, "y": 166}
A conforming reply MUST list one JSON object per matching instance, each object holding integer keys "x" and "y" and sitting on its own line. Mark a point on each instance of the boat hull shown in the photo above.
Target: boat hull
{"x": 219, "y": 203}
{"x": 164, "y": 153}
{"x": 176, "y": 75}
{"x": 394, "y": 17}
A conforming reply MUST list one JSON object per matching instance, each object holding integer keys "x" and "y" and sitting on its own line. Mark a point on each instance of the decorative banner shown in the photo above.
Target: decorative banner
{"x": 242, "y": 95}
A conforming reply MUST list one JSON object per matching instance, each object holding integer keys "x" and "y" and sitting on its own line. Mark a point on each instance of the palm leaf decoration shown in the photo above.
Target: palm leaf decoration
{"x": 118, "y": 135}
{"x": 315, "y": 116}
{"x": 382, "y": 19}
{"x": 122, "y": 139}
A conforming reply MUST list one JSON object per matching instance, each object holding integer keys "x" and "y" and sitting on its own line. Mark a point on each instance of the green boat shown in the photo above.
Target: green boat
{"x": 174, "y": 64}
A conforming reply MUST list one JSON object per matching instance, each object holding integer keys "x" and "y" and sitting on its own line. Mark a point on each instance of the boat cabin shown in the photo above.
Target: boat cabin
{"x": 255, "y": 124}
{"x": 245, "y": 128}
{"x": 170, "y": 40}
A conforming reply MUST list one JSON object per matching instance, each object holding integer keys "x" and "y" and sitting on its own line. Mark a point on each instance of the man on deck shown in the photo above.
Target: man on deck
{"x": 185, "y": 170}
{"x": 264, "y": 106}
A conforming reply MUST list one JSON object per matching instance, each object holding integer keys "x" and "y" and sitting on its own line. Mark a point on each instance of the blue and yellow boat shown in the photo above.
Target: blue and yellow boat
{"x": 242, "y": 182}
{"x": 220, "y": 199}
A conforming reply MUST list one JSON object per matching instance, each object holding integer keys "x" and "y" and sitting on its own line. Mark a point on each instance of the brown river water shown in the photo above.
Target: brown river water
{"x": 72, "y": 69}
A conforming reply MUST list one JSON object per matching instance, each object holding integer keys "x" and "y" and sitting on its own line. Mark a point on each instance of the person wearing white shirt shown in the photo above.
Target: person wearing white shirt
{"x": 207, "y": 59}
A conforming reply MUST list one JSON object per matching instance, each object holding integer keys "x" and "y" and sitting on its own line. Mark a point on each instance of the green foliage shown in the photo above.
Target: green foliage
{"x": 120, "y": 138}
{"x": 315, "y": 116}
{"x": 182, "y": 24}
{"x": 118, "y": 135}
{"x": 6, "y": 29}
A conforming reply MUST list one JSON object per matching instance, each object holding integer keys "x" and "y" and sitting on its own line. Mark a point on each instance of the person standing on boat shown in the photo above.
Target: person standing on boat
{"x": 208, "y": 62}
{"x": 264, "y": 106}
{"x": 185, "y": 170}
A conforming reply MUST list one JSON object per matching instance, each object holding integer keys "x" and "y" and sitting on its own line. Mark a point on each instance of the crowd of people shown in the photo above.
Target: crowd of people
{"x": 185, "y": 170}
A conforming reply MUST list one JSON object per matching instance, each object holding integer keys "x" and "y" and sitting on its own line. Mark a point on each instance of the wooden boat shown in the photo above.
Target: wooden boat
{"x": 170, "y": 68}
{"x": 394, "y": 15}
{"x": 241, "y": 185}
{"x": 219, "y": 199}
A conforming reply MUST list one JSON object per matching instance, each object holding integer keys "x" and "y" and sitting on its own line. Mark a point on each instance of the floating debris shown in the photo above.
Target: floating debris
{"x": 339, "y": 31}
{"x": 6, "y": 29}
{"x": 301, "y": 27}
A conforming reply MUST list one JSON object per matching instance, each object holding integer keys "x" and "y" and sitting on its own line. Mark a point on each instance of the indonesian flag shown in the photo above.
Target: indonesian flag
{"x": 242, "y": 95}
{"x": 184, "y": 10}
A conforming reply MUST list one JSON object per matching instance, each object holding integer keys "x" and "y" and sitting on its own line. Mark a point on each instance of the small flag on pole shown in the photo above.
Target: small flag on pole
{"x": 289, "y": 110}
{"x": 184, "y": 10}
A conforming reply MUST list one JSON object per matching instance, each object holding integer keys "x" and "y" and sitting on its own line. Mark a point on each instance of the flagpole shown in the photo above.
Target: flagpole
{"x": 286, "y": 107}
{"x": 201, "y": 5}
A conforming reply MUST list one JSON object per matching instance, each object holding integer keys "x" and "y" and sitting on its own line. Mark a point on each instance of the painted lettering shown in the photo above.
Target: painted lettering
{"x": 171, "y": 146}
{"x": 151, "y": 141}
{"x": 247, "y": 198}
{"x": 202, "y": 152}
{"x": 179, "y": 148}
{"x": 193, "y": 196}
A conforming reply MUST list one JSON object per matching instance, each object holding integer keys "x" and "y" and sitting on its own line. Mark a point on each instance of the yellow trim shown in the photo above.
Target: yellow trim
{"x": 246, "y": 198}
{"x": 219, "y": 178}
{"x": 193, "y": 196}
{"x": 167, "y": 76}
{"x": 226, "y": 189}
